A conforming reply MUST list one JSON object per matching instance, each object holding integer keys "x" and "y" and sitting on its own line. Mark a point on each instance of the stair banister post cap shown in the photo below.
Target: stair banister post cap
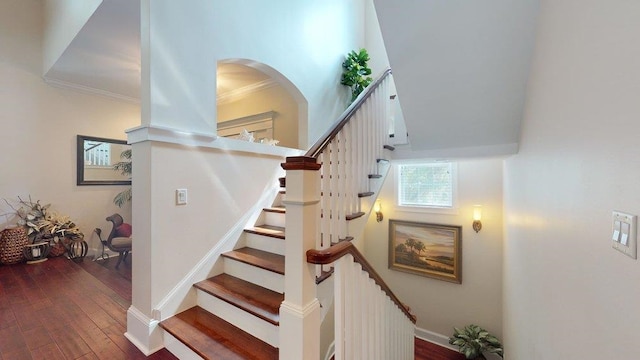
{"x": 301, "y": 163}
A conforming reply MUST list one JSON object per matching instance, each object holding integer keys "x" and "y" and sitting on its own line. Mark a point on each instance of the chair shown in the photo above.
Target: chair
{"x": 119, "y": 239}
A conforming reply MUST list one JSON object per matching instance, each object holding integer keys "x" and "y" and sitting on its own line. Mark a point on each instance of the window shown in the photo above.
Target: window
{"x": 427, "y": 185}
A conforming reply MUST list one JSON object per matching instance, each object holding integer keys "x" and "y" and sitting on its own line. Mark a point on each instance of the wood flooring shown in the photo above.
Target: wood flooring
{"x": 58, "y": 309}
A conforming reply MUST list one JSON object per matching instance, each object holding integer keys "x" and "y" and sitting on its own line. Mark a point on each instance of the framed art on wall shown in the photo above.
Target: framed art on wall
{"x": 431, "y": 250}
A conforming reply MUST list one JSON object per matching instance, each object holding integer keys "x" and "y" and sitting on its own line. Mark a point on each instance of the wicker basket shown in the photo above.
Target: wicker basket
{"x": 12, "y": 242}
{"x": 57, "y": 247}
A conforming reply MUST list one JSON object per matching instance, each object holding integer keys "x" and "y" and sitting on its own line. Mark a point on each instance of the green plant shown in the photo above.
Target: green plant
{"x": 356, "y": 72}
{"x": 473, "y": 341}
{"x": 124, "y": 167}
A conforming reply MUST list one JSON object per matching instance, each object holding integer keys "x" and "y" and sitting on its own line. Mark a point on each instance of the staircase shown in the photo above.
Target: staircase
{"x": 237, "y": 315}
{"x": 238, "y": 312}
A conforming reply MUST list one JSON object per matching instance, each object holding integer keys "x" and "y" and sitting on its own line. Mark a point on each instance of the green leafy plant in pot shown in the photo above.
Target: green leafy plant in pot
{"x": 473, "y": 341}
{"x": 124, "y": 167}
{"x": 356, "y": 72}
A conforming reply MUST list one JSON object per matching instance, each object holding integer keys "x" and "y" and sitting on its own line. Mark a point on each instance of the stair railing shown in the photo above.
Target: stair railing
{"x": 349, "y": 152}
{"x": 324, "y": 189}
{"x": 371, "y": 322}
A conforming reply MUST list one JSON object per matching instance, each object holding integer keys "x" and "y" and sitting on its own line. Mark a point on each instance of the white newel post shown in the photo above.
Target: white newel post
{"x": 300, "y": 311}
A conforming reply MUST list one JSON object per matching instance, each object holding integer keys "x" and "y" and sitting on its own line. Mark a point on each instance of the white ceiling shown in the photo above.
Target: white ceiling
{"x": 460, "y": 66}
{"x": 460, "y": 69}
{"x": 105, "y": 57}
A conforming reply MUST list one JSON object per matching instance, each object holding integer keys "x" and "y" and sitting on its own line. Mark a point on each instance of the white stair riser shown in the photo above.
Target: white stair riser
{"x": 264, "y": 243}
{"x": 178, "y": 348}
{"x": 265, "y": 278}
{"x": 255, "y": 326}
{"x": 274, "y": 218}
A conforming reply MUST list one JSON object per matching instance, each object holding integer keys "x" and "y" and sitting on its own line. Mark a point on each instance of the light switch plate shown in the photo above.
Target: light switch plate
{"x": 623, "y": 233}
{"x": 181, "y": 196}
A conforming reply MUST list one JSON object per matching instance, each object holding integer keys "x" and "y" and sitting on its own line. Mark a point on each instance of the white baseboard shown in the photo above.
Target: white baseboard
{"x": 434, "y": 338}
{"x": 143, "y": 332}
{"x": 331, "y": 351}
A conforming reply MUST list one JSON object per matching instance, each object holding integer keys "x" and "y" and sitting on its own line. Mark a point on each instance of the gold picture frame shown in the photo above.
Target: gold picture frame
{"x": 431, "y": 250}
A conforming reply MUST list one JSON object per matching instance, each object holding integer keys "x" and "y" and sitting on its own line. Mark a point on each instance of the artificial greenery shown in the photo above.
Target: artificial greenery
{"x": 473, "y": 341}
{"x": 124, "y": 167}
{"x": 356, "y": 72}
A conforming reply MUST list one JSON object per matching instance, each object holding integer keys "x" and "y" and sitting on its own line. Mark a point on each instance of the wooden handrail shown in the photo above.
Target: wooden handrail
{"x": 325, "y": 139}
{"x": 336, "y": 251}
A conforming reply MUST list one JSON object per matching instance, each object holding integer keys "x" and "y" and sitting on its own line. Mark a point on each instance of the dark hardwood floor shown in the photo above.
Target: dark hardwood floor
{"x": 429, "y": 351}
{"x": 58, "y": 309}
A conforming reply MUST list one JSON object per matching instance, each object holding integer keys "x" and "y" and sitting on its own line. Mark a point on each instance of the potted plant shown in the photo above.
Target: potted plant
{"x": 356, "y": 72}
{"x": 473, "y": 341}
{"x": 124, "y": 167}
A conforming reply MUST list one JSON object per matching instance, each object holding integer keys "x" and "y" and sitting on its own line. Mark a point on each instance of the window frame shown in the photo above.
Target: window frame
{"x": 453, "y": 209}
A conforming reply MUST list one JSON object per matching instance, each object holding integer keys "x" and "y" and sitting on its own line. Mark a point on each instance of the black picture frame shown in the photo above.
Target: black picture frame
{"x": 82, "y": 169}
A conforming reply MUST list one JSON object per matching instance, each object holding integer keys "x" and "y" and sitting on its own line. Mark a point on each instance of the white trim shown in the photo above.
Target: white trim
{"x": 404, "y": 152}
{"x": 240, "y": 93}
{"x": 88, "y": 90}
{"x": 178, "y": 348}
{"x": 143, "y": 331}
{"x": 174, "y": 301}
{"x": 434, "y": 338}
{"x": 300, "y": 312}
{"x": 303, "y": 203}
{"x": 209, "y": 140}
{"x": 331, "y": 351}
{"x": 443, "y": 210}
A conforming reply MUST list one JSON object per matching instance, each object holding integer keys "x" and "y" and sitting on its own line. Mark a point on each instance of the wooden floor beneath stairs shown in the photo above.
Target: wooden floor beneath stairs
{"x": 57, "y": 310}
{"x": 61, "y": 310}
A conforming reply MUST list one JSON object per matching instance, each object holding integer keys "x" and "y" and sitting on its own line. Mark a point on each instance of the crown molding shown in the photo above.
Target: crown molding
{"x": 89, "y": 90}
{"x": 243, "y": 92}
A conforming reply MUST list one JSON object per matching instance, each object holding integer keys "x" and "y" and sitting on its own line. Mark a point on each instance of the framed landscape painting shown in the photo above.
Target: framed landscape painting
{"x": 430, "y": 250}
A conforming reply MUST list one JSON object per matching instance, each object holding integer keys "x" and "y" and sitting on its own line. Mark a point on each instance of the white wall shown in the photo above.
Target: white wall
{"x": 567, "y": 293}
{"x": 439, "y": 305}
{"x": 275, "y": 98}
{"x": 63, "y": 20}
{"x": 305, "y": 41}
{"x": 39, "y": 124}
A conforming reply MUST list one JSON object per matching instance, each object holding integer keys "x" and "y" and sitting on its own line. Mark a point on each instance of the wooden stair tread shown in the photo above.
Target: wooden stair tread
{"x": 365, "y": 194}
{"x": 348, "y": 238}
{"x": 254, "y": 299}
{"x": 375, "y": 176}
{"x": 382, "y": 160}
{"x": 276, "y": 209}
{"x": 213, "y": 338}
{"x": 389, "y": 147}
{"x": 267, "y": 230}
{"x": 262, "y": 259}
{"x": 324, "y": 275}
{"x": 354, "y": 216}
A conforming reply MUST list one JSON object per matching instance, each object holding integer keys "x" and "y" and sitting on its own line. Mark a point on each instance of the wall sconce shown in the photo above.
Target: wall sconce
{"x": 477, "y": 217}
{"x": 377, "y": 208}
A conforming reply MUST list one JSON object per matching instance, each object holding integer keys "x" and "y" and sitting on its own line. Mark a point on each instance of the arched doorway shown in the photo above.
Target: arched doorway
{"x": 254, "y": 97}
